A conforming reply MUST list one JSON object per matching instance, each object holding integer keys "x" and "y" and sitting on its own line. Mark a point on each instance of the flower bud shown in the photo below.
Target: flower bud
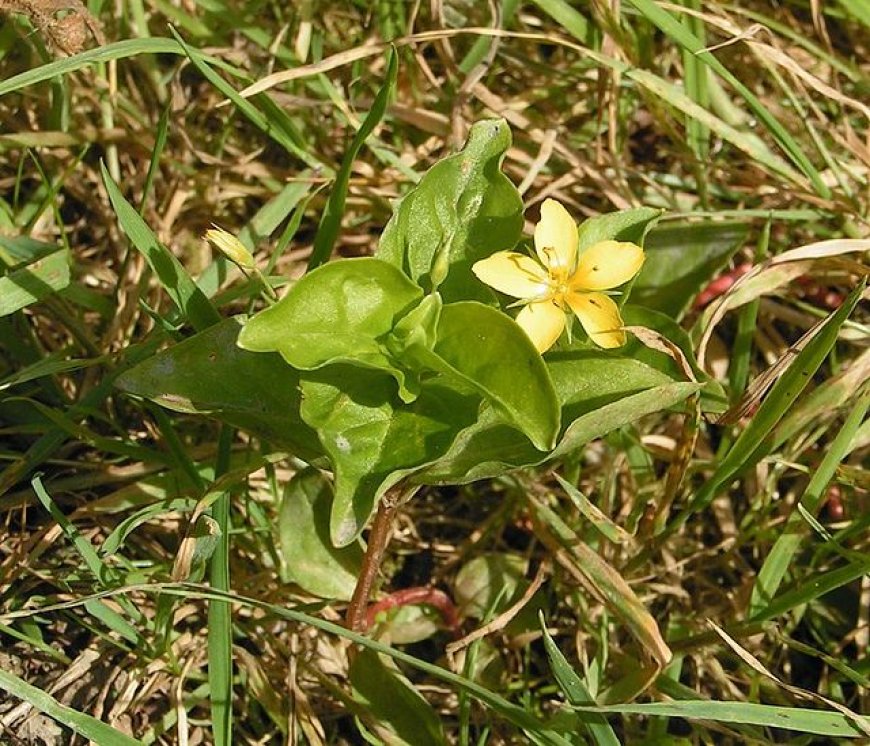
{"x": 230, "y": 247}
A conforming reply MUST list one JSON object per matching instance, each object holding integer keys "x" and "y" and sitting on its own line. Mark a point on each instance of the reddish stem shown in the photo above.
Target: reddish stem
{"x": 378, "y": 539}
{"x": 720, "y": 285}
{"x": 433, "y": 597}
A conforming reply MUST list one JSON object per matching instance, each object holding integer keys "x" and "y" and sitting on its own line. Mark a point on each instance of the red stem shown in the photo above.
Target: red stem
{"x": 378, "y": 539}
{"x": 433, "y": 597}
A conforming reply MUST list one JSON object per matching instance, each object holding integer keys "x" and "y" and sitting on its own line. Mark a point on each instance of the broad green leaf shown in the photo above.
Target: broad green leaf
{"x": 33, "y": 282}
{"x": 487, "y": 584}
{"x": 372, "y": 439}
{"x": 394, "y": 711}
{"x": 681, "y": 259}
{"x": 330, "y": 221}
{"x": 629, "y": 409}
{"x": 585, "y": 380}
{"x": 338, "y": 313}
{"x": 209, "y": 374}
{"x": 624, "y": 225}
{"x": 490, "y": 448}
{"x": 463, "y": 210}
{"x": 487, "y": 349}
{"x": 310, "y": 560}
{"x": 85, "y": 725}
{"x": 713, "y": 396}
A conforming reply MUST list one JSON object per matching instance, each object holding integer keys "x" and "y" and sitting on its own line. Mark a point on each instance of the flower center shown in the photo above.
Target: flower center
{"x": 559, "y": 281}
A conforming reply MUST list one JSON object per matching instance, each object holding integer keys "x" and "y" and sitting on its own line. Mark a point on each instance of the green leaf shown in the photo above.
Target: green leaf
{"x": 570, "y": 19}
{"x": 487, "y": 584}
{"x": 33, "y": 281}
{"x": 330, "y": 221}
{"x": 85, "y": 725}
{"x": 681, "y": 259}
{"x": 751, "y": 445}
{"x": 486, "y": 348}
{"x": 463, "y": 210}
{"x": 310, "y": 559}
{"x": 373, "y": 440}
{"x": 586, "y": 380}
{"x": 339, "y": 313}
{"x": 622, "y": 412}
{"x": 576, "y": 691}
{"x": 172, "y": 275}
{"x": 599, "y": 395}
{"x": 209, "y": 374}
{"x": 608, "y": 583}
{"x": 275, "y": 122}
{"x": 624, "y": 225}
{"x": 800, "y": 719}
{"x": 394, "y": 710}
{"x": 713, "y": 396}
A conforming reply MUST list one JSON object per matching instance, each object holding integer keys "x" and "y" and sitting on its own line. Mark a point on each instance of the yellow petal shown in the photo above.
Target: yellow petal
{"x": 543, "y": 322}
{"x": 607, "y": 264}
{"x": 513, "y": 274}
{"x": 556, "y": 237}
{"x": 599, "y": 316}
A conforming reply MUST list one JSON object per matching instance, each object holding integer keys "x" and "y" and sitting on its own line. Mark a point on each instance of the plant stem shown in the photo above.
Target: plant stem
{"x": 379, "y": 538}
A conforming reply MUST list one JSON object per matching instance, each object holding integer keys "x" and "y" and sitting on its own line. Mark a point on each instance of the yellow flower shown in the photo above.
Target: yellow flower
{"x": 563, "y": 282}
{"x": 230, "y": 246}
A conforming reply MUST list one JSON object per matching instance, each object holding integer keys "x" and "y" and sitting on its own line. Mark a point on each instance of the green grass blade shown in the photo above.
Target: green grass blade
{"x": 172, "y": 275}
{"x": 820, "y": 584}
{"x": 159, "y": 145}
{"x": 330, "y": 222}
{"x": 746, "y": 449}
{"x": 804, "y": 720}
{"x": 66, "y": 65}
{"x": 686, "y": 39}
{"x": 220, "y": 632}
{"x": 34, "y": 282}
{"x": 82, "y": 545}
{"x": 787, "y": 544}
{"x": 597, "y": 519}
{"x": 576, "y": 693}
{"x": 85, "y": 725}
{"x": 104, "y": 575}
{"x": 569, "y": 18}
{"x": 272, "y": 125}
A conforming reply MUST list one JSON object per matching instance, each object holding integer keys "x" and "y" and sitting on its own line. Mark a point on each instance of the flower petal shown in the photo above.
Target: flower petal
{"x": 599, "y": 316}
{"x": 543, "y": 322}
{"x": 513, "y": 274}
{"x": 556, "y": 237}
{"x": 607, "y": 264}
